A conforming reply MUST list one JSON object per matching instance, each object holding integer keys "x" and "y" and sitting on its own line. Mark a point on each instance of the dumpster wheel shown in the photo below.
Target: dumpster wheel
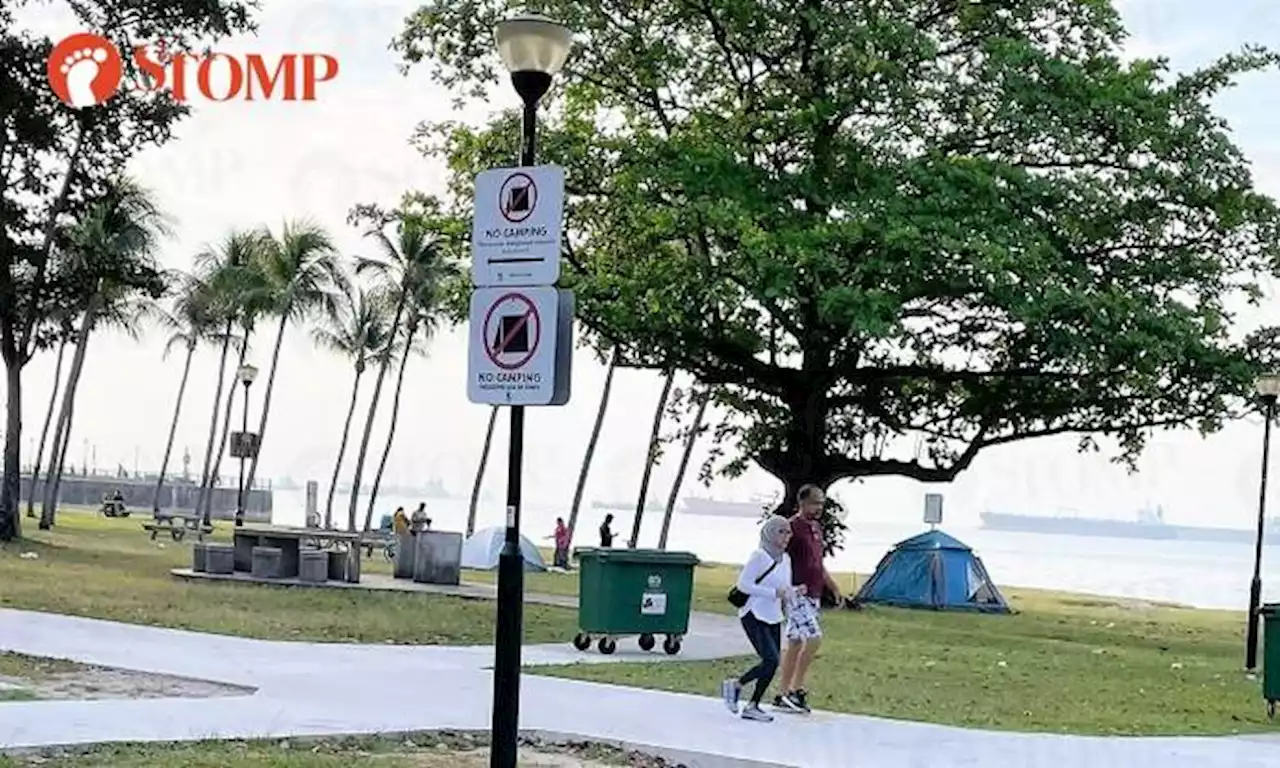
{"x": 1271, "y": 709}
{"x": 671, "y": 645}
{"x": 582, "y": 641}
{"x": 607, "y": 646}
{"x": 647, "y": 642}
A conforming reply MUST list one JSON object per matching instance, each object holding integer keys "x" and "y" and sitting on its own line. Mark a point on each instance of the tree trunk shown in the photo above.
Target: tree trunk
{"x": 44, "y": 433}
{"x": 651, "y": 458}
{"x": 391, "y": 430}
{"x": 342, "y": 446}
{"x": 213, "y": 419}
{"x": 705, "y": 397}
{"x": 173, "y": 427}
{"x": 266, "y": 401}
{"x": 220, "y": 450}
{"x": 62, "y": 435}
{"x": 10, "y": 488}
{"x": 484, "y": 462}
{"x": 590, "y": 454}
{"x": 368, "y": 424}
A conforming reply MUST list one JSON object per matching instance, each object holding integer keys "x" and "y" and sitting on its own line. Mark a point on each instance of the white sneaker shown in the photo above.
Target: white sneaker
{"x": 731, "y": 692}
{"x": 754, "y": 712}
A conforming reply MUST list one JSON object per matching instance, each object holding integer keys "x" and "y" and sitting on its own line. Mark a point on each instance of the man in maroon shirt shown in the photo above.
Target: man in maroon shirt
{"x": 804, "y": 631}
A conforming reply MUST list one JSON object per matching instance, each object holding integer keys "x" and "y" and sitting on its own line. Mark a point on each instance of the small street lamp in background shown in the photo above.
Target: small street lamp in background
{"x": 534, "y": 49}
{"x": 246, "y": 374}
{"x": 1268, "y": 388}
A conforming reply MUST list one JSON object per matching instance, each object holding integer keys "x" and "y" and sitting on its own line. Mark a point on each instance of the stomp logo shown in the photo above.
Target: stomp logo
{"x": 86, "y": 70}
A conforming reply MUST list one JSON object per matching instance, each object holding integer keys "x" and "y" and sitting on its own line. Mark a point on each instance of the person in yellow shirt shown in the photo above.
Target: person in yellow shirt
{"x": 400, "y": 522}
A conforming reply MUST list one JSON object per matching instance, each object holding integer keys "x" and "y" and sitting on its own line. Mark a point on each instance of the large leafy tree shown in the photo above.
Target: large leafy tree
{"x": 55, "y": 160}
{"x": 891, "y": 234}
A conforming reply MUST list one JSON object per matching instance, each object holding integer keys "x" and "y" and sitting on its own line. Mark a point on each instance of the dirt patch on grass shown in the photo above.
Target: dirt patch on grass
{"x": 30, "y": 677}
{"x": 442, "y": 749}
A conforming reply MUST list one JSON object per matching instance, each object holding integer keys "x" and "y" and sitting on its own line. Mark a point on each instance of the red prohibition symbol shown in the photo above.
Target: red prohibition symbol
{"x": 517, "y": 331}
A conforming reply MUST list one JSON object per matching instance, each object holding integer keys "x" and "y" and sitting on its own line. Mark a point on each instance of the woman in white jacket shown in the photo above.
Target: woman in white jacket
{"x": 766, "y": 581}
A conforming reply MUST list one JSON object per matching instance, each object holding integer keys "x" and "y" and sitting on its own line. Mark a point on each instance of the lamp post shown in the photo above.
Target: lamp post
{"x": 534, "y": 49}
{"x": 1268, "y": 388}
{"x": 246, "y": 374}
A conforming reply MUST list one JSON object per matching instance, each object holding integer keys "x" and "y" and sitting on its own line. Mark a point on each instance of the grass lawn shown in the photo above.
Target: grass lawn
{"x": 109, "y": 569}
{"x": 1065, "y": 663}
{"x": 415, "y": 751}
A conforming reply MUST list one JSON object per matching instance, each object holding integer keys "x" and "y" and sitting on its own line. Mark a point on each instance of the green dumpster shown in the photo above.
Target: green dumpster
{"x": 624, "y": 592}
{"x": 1271, "y": 655}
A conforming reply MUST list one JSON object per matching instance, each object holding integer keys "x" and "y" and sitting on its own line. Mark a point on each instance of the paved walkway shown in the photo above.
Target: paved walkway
{"x": 311, "y": 689}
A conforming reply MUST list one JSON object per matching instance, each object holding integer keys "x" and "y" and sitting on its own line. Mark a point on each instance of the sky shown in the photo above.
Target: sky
{"x": 236, "y": 165}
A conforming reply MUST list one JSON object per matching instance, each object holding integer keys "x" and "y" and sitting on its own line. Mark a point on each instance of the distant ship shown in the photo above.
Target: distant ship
{"x": 652, "y": 505}
{"x": 1149, "y": 524}
{"x": 702, "y": 506}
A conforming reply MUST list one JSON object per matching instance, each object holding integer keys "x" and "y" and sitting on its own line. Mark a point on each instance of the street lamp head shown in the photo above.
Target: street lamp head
{"x": 1268, "y": 385}
{"x": 534, "y": 49}
{"x": 246, "y": 374}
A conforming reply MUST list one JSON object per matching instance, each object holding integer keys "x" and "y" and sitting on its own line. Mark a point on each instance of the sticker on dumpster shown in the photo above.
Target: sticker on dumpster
{"x": 655, "y": 581}
{"x": 653, "y": 604}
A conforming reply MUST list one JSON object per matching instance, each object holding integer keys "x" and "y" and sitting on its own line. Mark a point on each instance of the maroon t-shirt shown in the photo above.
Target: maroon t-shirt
{"x": 806, "y": 555}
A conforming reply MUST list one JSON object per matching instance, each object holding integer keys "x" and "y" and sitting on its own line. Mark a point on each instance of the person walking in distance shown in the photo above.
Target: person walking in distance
{"x": 804, "y": 630}
{"x": 766, "y": 582}
{"x": 606, "y": 531}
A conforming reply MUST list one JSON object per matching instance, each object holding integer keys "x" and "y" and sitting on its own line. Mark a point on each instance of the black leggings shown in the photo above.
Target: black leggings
{"x": 767, "y": 640}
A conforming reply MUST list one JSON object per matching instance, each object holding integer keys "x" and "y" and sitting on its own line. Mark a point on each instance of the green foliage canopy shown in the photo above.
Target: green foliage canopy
{"x": 891, "y": 234}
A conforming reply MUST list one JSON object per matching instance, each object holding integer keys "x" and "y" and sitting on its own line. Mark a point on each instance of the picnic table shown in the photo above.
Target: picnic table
{"x": 290, "y": 541}
{"x": 177, "y": 526}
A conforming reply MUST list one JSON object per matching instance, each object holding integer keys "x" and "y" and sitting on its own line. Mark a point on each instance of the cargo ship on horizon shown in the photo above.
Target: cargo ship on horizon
{"x": 1149, "y": 524}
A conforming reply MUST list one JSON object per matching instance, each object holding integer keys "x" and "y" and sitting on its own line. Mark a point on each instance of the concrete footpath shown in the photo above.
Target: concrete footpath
{"x": 315, "y": 689}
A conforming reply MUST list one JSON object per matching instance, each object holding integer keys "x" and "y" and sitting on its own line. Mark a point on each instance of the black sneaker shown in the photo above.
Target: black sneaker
{"x": 801, "y": 701}
{"x": 787, "y": 702}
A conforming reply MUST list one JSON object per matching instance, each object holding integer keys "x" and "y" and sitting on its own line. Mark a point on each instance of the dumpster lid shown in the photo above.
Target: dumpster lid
{"x": 1269, "y": 609}
{"x": 644, "y": 556}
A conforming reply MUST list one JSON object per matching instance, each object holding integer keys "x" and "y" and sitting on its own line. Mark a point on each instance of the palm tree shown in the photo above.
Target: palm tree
{"x": 484, "y": 462}
{"x": 703, "y": 397}
{"x": 651, "y": 457}
{"x": 360, "y": 331}
{"x": 300, "y": 270}
{"x": 224, "y": 271}
{"x": 188, "y": 322}
{"x": 414, "y": 267}
{"x": 112, "y": 254}
{"x": 590, "y": 454}
{"x": 65, "y": 336}
{"x": 412, "y": 342}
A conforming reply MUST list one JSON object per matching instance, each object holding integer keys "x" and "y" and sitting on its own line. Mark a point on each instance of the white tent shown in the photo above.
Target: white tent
{"x": 481, "y": 551}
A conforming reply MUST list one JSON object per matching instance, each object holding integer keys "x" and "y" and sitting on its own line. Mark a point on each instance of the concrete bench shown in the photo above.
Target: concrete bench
{"x": 219, "y": 559}
{"x": 313, "y": 566}
{"x": 266, "y": 562}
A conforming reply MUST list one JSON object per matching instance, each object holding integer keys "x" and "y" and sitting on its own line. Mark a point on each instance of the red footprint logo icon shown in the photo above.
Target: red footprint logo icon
{"x": 85, "y": 70}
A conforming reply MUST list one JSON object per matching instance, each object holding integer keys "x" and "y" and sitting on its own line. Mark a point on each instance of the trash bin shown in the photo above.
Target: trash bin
{"x": 623, "y": 592}
{"x": 1271, "y": 656}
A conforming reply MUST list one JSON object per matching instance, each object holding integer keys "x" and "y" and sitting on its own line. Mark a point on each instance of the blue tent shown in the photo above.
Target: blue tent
{"x": 933, "y": 570}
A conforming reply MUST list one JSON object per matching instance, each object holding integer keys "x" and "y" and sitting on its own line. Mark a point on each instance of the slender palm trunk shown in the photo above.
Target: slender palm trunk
{"x": 213, "y": 419}
{"x": 704, "y": 398}
{"x": 173, "y": 427}
{"x": 342, "y": 446}
{"x": 391, "y": 430}
{"x": 44, "y": 433}
{"x": 368, "y": 424}
{"x": 266, "y": 400}
{"x": 220, "y": 450}
{"x": 484, "y": 462}
{"x": 590, "y": 455}
{"x": 651, "y": 458}
{"x": 62, "y": 435}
